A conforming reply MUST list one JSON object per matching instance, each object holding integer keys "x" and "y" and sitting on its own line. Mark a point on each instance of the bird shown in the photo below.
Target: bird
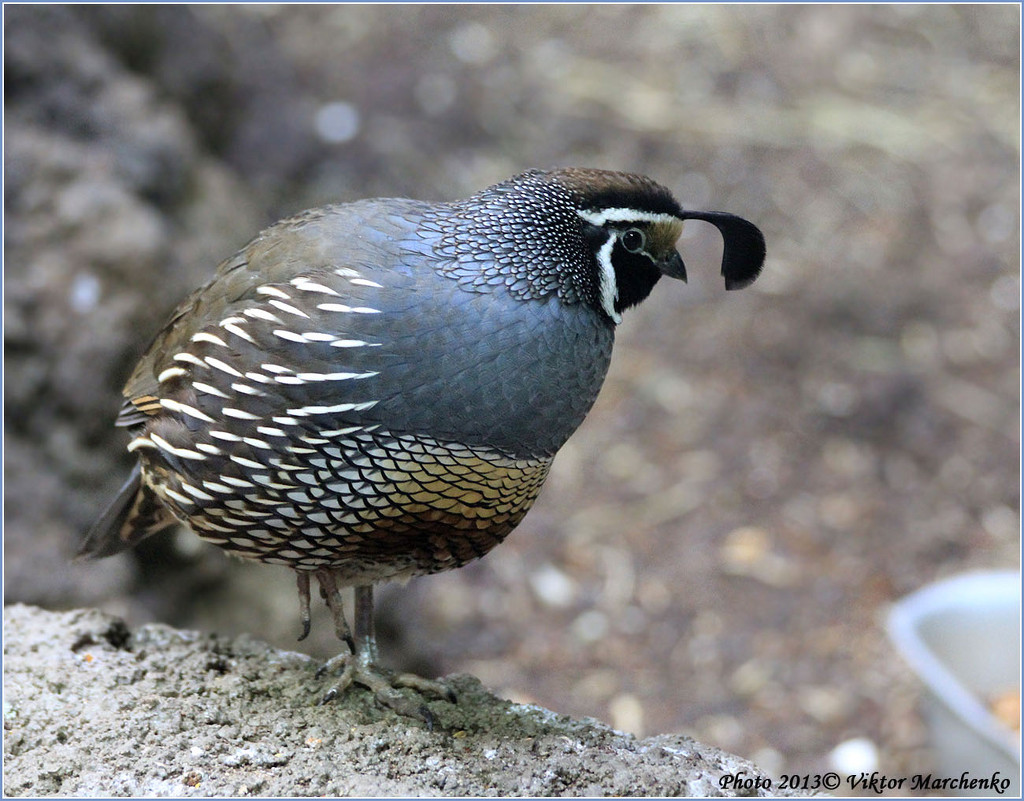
{"x": 375, "y": 390}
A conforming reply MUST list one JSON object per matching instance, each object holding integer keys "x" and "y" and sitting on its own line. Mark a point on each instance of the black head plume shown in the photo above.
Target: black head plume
{"x": 743, "y": 249}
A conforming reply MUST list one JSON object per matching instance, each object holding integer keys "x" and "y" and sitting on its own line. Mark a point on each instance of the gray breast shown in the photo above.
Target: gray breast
{"x": 487, "y": 369}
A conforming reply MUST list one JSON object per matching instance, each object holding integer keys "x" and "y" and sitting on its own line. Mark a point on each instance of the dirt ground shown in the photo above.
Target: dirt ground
{"x": 764, "y": 473}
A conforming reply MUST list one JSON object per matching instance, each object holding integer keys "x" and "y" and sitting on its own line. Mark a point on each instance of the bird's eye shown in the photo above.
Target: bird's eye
{"x": 634, "y": 240}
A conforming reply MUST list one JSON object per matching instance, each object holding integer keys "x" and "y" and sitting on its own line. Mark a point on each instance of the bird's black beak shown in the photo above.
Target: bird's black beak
{"x": 743, "y": 249}
{"x": 673, "y": 267}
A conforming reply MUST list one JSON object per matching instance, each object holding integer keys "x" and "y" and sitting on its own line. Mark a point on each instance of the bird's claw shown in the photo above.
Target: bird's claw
{"x": 384, "y": 685}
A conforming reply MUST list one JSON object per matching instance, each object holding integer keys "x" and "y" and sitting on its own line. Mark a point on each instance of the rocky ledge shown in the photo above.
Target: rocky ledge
{"x": 92, "y": 708}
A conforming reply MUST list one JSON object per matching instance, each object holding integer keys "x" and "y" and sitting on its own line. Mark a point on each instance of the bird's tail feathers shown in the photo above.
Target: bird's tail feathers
{"x": 135, "y": 514}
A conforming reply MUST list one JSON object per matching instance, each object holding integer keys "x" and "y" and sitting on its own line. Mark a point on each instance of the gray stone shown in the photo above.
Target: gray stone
{"x": 92, "y": 708}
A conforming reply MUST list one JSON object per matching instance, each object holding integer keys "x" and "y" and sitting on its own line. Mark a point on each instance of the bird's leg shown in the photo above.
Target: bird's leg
{"x": 303, "y": 580}
{"x": 367, "y": 654}
{"x": 360, "y": 667}
{"x": 366, "y": 632}
{"x": 332, "y": 597}
{"x": 329, "y": 590}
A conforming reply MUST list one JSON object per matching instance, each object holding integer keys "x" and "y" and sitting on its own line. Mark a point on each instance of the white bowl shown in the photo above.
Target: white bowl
{"x": 962, "y": 637}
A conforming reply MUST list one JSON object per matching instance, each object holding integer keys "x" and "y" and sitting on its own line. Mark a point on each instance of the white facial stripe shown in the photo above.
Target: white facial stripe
{"x": 606, "y": 281}
{"x": 599, "y": 218}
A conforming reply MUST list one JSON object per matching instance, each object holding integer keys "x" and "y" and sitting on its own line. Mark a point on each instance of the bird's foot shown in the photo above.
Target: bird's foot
{"x": 385, "y": 686}
{"x": 358, "y": 665}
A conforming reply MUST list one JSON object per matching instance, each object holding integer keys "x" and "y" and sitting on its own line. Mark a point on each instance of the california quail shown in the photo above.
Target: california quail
{"x": 376, "y": 390}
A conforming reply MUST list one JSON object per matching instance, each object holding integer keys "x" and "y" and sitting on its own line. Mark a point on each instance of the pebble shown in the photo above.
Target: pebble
{"x": 747, "y": 551}
{"x": 627, "y": 713}
{"x": 591, "y": 626}
{"x": 553, "y": 587}
{"x": 854, "y": 756}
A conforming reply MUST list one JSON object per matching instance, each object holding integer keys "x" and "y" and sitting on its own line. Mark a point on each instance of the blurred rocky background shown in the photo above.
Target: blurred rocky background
{"x": 765, "y": 471}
